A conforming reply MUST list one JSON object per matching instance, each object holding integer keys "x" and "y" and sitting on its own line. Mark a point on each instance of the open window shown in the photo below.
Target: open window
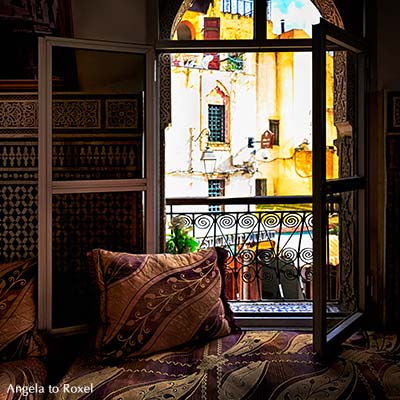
{"x": 297, "y": 253}
{"x": 96, "y": 172}
{"x": 338, "y": 204}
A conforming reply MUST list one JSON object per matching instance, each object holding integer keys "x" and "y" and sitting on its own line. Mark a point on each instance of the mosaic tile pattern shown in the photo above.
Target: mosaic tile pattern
{"x": 123, "y": 114}
{"x": 18, "y": 113}
{"x": 18, "y": 175}
{"x": 97, "y": 136}
{"x": 76, "y": 113}
{"x": 94, "y": 137}
{"x": 81, "y": 223}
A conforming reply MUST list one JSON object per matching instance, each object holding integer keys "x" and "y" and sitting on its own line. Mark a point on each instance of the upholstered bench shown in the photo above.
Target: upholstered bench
{"x": 166, "y": 332}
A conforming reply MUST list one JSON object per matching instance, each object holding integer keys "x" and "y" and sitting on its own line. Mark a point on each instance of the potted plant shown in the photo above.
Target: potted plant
{"x": 179, "y": 240}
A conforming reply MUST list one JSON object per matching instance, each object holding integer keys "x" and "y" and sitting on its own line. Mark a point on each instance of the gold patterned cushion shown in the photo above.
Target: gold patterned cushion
{"x": 18, "y": 335}
{"x": 153, "y": 302}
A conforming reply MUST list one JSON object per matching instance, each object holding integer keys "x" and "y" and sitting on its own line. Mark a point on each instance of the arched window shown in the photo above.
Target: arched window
{"x": 185, "y": 31}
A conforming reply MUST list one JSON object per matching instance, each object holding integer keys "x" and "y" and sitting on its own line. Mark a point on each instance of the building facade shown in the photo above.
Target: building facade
{"x": 252, "y": 110}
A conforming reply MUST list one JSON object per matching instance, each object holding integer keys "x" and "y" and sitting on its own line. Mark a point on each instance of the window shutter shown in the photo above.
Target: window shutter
{"x": 211, "y": 28}
{"x": 261, "y": 187}
{"x": 212, "y": 32}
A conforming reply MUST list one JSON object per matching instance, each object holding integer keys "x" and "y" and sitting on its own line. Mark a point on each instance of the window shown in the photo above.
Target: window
{"x": 261, "y": 187}
{"x": 95, "y": 175}
{"x": 216, "y": 188}
{"x": 216, "y": 122}
{"x": 185, "y": 31}
{"x": 241, "y": 7}
{"x": 211, "y": 28}
{"x": 274, "y": 128}
{"x": 234, "y": 104}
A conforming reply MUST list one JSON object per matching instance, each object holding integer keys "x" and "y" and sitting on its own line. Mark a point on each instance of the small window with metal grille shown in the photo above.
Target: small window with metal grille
{"x": 216, "y": 188}
{"x": 241, "y": 7}
{"x": 216, "y": 123}
{"x": 274, "y": 127}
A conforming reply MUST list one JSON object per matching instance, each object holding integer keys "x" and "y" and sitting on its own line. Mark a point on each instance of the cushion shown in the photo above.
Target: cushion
{"x": 249, "y": 365}
{"x": 18, "y": 335}
{"x": 23, "y": 379}
{"x": 153, "y": 302}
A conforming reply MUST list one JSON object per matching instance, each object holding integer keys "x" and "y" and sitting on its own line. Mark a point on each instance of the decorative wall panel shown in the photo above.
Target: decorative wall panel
{"x": 19, "y": 220}
{"x": 18, "y": 175}
{"x": 97, "y": 136}
{"x": 18, "y": 113}
{"x": 123, "y": 114}
{"x": 75, "y": 114}
{"x": 347, "y": 228}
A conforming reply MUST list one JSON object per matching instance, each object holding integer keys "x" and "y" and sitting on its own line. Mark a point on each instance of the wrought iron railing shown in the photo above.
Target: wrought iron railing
{"x": 269, "y": 240}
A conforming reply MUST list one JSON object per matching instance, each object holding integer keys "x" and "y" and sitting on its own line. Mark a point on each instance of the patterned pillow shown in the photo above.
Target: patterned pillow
{"x": 18, "y": 335}
{"x": 154, "y": 302}
{"x": 17, "y": 377}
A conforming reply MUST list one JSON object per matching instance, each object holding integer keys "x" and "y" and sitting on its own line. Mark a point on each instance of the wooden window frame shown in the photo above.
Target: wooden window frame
{"x": 47, "y": 188}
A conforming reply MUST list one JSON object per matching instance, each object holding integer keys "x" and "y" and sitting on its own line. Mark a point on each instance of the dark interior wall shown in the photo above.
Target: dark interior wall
{"x": 380, "y": 25}
{"x": 387, "y": 79}
{"x": 21, "y": 23}
{"x": 388, "y": 54}
{"x": 352, "y": 15}
{"x": 117, "y": 20}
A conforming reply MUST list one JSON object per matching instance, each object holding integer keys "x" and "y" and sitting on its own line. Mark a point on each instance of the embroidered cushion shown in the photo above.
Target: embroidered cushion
{"x": 18, "y": 335}
{"x": 154, "y": 302}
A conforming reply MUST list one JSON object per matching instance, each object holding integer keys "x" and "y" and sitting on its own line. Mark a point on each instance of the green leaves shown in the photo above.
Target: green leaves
{"x": 180, "y": 241}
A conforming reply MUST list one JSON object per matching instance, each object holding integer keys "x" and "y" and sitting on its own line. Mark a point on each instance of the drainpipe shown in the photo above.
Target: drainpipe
{"x": 191, "y": 149}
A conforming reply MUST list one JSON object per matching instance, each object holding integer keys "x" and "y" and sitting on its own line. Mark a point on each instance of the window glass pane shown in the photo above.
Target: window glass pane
{"x": 254, "y": 121}
{"x": 213, "y": 20}
{"x": 291, "y": 19}
{"x": 81, "y": 223}
{"x": 343, "y": 129}
{"x": 97, "y": 115}
{"x": 234, "y": 20}
{"x": 343, "y": 250}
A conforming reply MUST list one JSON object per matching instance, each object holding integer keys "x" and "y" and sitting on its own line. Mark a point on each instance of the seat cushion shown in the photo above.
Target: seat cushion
{"x": 18, "y": 334}
{"x": 23, "y": 379}
{"x": 154, "y": 302}
{"x": 250, "y": 365}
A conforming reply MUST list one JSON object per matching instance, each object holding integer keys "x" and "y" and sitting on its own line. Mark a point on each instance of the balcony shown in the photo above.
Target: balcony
{"x": 269, "y": 240}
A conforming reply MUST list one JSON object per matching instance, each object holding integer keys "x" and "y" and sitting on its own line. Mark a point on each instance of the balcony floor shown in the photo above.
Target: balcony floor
{"x": 277, "y": 307}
